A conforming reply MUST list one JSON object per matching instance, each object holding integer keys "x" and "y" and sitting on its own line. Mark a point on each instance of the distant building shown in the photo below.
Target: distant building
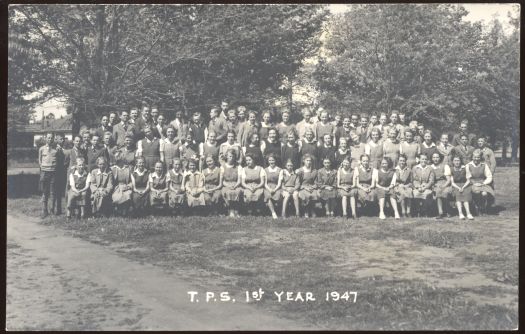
{"x": 29, "y": 135}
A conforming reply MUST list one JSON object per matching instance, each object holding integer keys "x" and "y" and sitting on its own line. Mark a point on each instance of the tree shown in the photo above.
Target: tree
{"x": 102, "y": 56}
{"x": 422, "y": 59}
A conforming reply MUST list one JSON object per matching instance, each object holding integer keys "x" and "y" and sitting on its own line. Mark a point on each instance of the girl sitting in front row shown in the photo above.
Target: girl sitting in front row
{"x": 423, "y": 181}
{"x": 403, "y": 188}
{"x": 176, "y": 195}
{"x": 78, "y": 194}
{"x": 385, "y": 181}
{"x": 272, "y": 191}
{"x": 345, "y": 186}
{"x": 326, "y": 183}
{"x": 291, "y": 184}
{"x": 441, "y": 183}
{"x": 123, "y": 187}
{"x": 139, "y": 179}
{"x": 461, "y": 187}
{"x": 212, "y": 184}
{"x": 158, "y": 185}
{"x": 231, "y": 183}
{"x": 101, "y": 187}
{"x": 253, "y": 179}
{"x": 364, "y": 191}
{"x": 194, "y": 185}
{"x": 308, "y": 191}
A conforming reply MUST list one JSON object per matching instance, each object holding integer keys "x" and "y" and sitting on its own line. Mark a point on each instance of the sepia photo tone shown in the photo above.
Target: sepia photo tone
{"x": 263, "y": 167}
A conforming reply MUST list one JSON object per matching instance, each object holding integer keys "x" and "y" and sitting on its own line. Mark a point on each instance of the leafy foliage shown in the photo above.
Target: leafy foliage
{"x": 422, "y": 59}
{"x": 102, "y": 56}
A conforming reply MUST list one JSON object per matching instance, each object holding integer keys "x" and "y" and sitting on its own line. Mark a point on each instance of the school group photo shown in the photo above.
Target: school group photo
{"x": 247, "y": 167}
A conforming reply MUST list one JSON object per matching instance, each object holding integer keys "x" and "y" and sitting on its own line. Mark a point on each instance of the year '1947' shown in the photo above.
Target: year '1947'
{"x": 278, "y": 296}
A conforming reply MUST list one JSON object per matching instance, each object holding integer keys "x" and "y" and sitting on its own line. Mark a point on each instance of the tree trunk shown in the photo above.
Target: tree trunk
{"x": 75, "y": 123}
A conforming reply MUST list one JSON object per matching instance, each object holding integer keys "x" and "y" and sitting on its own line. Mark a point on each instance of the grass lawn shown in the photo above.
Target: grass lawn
{"x": 408, "y": 274}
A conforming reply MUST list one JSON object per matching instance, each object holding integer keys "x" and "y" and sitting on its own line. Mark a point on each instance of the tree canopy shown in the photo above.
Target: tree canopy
{"x": 102, "y": 56}
{"x": 424, "y": 60}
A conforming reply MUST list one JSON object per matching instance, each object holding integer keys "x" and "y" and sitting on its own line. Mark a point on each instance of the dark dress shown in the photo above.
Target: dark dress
{"x": 151, "y": 153}
{"x": 272, "y": 148}
{"x": 403, "y": 188}
{"x": 140, "y": 201}
{"x": 176, "y": 197}
{"x": 255, "y": 151}
{"x": 158, "y": 198}
{"x": 365, "y": 179}
{"x": 311, "y": 149}
{"x": 211, "y": 180}
{"x": 384, "y": 179}
{"x": 459, "y": 176}
{"x": 327, "y": 178}
{"x": 291, "y": 153}
{"x": 326, "y": 152}
{"x": 308, "y": 189}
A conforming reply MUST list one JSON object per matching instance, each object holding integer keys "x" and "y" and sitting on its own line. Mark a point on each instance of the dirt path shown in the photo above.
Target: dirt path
{"x": 55, "y": 281}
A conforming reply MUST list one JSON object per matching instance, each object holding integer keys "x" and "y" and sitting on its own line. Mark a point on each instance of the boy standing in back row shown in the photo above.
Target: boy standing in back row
{"x": 47, "y": 160}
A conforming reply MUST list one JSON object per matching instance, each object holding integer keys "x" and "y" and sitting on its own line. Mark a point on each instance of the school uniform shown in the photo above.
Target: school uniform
{"x": 456, "y": 138}
{"x": 411, "y": 150}
{"x": 79, "y": 178}
{"x": 159, "y": 131}
{"x": 274, "y": 148}
{"x": 464, "y": 152}
{"x": 385, "y": 179}
{"x": 128, "y": 156}
{"x": 310, "y": 148}
{"x": 176, "y": 196}
{"x": 429, "y": 150}
{"x": 263, "y": 131}
{"x": 206, "y": 150}
{"x": 375, "y": 153}
{"x": 223, "y": 149}
{"x": 364, "y": 177}
{"x": 180, "y": 127}
{"x": 422, "y": 176}
{"x": 283, "y": 130}
{"x": 101, "y": 187}
{"x": 324, "y": 129}
{"x": 253, "y": 177}
{"x": 327, "y": 178}
{"x": 303, "y": 126}
{"x": 341, "y": 155}
{"x": 150, "y": 150}
{"x": 140, "y": 201}
{"x": 245, "y": 132}
{"x": 111, "y": 154}
{"x": 391, "y": 150}
{"x": 211, "y": 181}
{"x": 230, "y": 175}
{"x": 255, "y": 151}
{"x": 346, "y": 181}
{"x": 308, "y": 189}
{"x": 123, "y": 186}
{"x": 198, "y": 132}
{"x": 446, "y": 152}
{"x": 403, "y": 188}
{"x": 188, "y": 151}
{"x": 170, "y": 150}
{"x": 326, "y": 152}
{"x": 291, "y": 152}
{"x": 342, "y": 132}
{"x": 272, "y": 179}
{"x": 459, "y": 177}
{"x": 291, "y": 182}
{"x": 93, "y": 153}
{"x": 356, "y": 151}
{"x": 158, "y": 196}
{"x": 194, "y": 182}
{"x": 360, "y": 134}
{"x": 480, "y": 174}
{"x": 220, "y": 127}
{"x": 120, "y": 131}
{"x": 441, "y": 172}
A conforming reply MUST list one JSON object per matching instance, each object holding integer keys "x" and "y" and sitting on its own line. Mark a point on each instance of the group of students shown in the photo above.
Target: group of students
{"x": 237, "y": 164}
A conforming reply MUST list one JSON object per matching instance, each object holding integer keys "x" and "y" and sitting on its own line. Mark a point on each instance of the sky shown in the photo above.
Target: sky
{"x": 477, "y": 12}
